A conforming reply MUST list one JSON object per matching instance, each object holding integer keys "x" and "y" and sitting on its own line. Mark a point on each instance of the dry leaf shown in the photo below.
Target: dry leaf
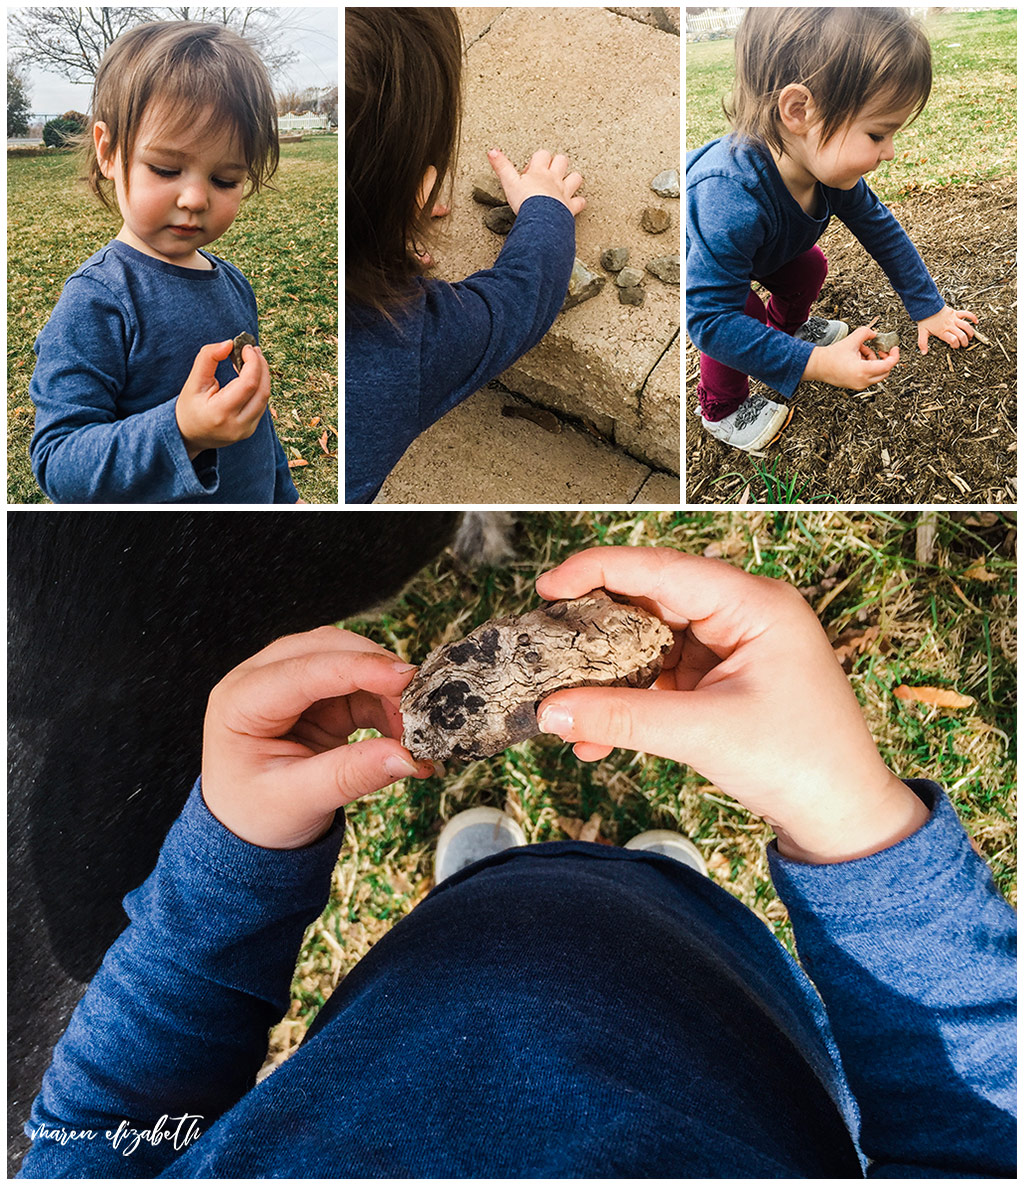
{"x": 297, "y": 464}
{"x": 978, "y": 571}
{"x": 852, "y": 642}
{"x": 590, "y": 832}
{"x": 936, "y": 697}
{"x": 571, "y": 827}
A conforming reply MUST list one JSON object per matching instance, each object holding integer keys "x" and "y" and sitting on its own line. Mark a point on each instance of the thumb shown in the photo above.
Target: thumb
{"x": 922, "y": 339}
{"x": 862, "y": 335}
{"x": 674, "y": 724}
{"x": 351, "y": 771}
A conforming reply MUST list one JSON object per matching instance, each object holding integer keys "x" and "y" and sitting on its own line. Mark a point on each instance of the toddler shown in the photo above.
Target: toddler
{"x": 819, "y": 95}
{"x": 136, "y": 396}
{"x": 557, "y": 1010}
{"x": 415, "y": 347}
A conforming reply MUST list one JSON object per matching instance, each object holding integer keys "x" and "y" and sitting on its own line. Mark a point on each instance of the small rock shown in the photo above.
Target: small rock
{"x": 500, "y": 219}
{"x": 487, "y": 190}
{"x": 631, "y": 295}
{"x": 237, "y": 346}
{"x": 629, "y": 277}
{"x": 654, "y": 220}
{"x": 884, "y": 341}
{"x": 666, "y": 184}
{"x": 614, "y": 259}
{"x": 665, "y": 267}
{"x": 583, "y": 284}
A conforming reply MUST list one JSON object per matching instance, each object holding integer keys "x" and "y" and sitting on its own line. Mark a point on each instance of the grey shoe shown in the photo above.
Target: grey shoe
{"x": 820, "y": 332}
{"x": 752, "y": 426}
{"x": 472, "y": 835}
{"x": 670, "y": 843}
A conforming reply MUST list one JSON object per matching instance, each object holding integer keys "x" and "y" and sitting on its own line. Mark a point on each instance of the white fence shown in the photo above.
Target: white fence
{"x": 715, "y": 22}
{"x": 306, "y": 122}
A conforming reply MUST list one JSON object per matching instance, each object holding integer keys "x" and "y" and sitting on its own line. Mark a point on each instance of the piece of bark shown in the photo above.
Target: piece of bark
{"x": 475, "y": 697}
{"x": 239, "y": 344}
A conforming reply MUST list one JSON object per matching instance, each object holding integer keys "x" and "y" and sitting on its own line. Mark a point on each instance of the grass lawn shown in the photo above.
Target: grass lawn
{"x": 285, "y": 242}
{"x": 967, "y": 132}
{"x": 948, "y": 622}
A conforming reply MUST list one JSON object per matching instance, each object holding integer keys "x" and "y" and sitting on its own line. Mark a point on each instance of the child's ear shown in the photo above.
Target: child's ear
{"x": 101, "y": 139}
{"x": 796, "y": 108}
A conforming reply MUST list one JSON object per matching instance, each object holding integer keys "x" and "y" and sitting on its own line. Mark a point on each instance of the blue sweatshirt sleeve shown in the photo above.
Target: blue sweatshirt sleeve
{"x": 82, "y": 450}
{"x": 175, "y": 1021}
{"x": 881, "y": 235}
{"x": 475, "y": 329}
{"x": 913, "y": 951}
{"x": 726, "y": 225}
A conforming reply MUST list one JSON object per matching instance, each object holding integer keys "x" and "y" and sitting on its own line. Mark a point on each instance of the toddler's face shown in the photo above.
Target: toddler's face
{"x": 857, "y": 149}
{"x": 183, "y": 191}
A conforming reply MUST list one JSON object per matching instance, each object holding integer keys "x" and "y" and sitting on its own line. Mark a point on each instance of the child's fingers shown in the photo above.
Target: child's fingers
{"x": 204, "y": 369}
{"x": 677, "y": 586}
{"x": 503, "y": 168}
{"x": 339, "y": 776}
{"x": 586, "y": 751}
{"x": 267, "y": 700}
{"x": 541, "y": 159}
{"x": 678, "y": 725}
{"x": 572, "y": 183}
{"x": 922, "y": 339}
{"x": 559, "y": 164}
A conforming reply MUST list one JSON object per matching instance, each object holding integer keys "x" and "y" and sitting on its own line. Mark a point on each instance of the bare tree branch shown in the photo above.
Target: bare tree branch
{"x": 70, "y": 42}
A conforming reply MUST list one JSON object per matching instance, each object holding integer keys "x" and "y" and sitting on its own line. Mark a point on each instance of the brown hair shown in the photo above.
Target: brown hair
{"x": 205, "y": 75}
{"x": 403, "y": 74}
{"x": 846, "y": 57}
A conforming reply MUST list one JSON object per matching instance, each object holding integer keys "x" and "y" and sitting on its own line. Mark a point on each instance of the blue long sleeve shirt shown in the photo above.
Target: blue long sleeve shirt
{"x": 111, "y": 361}
{"x": 449, "y": 341}
{"x": 743, "y": 224}
{"x": 559, "y": 1010}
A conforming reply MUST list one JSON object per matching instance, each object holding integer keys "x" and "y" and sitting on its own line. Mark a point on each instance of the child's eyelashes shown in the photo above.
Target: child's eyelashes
{"x": 167, "y": 174}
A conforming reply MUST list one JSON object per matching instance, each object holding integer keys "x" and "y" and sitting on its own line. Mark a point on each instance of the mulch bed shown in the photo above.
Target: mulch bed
{"x": 942, "y": 428}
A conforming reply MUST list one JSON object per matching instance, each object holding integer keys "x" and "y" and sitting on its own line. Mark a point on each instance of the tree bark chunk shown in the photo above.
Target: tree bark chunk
{"x": 475, "y": 697}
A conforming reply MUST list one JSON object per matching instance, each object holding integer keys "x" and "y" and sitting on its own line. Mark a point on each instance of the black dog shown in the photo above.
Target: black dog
{"x": 120, "y": 623}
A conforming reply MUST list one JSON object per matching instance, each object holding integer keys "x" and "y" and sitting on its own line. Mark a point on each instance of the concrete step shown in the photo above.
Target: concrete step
{"x": 480, "y": 454}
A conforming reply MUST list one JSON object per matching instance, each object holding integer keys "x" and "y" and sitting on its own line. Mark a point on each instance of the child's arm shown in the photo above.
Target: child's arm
{"x": 175, "y": 1022}
{"x": 897, "y": 920}
{"x": 888, "y": 243}
{"x": 477, "y": 328}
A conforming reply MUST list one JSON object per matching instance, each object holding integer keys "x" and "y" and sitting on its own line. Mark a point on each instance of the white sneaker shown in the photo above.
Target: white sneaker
{"x": 670, "y": 843}
{"x": 473, "y": 835}
{"x": 820, "y": 332}
{"x": 753, "y": 425}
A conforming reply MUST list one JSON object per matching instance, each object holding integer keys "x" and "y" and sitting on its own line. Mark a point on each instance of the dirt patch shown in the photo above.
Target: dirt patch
{"x": 942, "y": 428}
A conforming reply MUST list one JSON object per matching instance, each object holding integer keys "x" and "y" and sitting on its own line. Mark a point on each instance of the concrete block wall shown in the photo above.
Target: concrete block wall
{"x": 604, "y": 88}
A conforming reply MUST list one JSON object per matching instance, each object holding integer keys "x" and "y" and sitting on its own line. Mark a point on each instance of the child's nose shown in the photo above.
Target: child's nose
{"x": 193, "y": 196}
{"x": 888, "y": 149}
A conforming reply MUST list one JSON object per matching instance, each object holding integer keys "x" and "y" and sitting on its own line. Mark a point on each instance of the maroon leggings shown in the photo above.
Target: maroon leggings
{"x": 794, "y": 288}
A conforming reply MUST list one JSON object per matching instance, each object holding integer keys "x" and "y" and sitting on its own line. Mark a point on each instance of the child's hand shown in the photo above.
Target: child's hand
{"x": 850, "y": 362}
{"x": 545, "y": 176}
{"x": 276, "y": 758}
{"x": 209, "y": 415}
{"x": 753, "y": 699}
{"x": 949, "y": 325}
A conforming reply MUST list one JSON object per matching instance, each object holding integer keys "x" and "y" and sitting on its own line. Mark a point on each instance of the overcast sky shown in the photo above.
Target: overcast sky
{"x": 313, "y": 33}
